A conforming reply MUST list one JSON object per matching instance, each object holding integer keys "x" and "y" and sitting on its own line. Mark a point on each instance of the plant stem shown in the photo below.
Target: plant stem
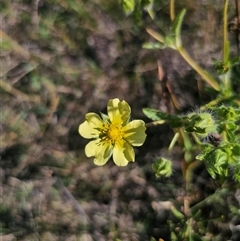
{"x": 238, "y": 24}
{"x": 206, "y": 76}
{"x": 219, "y": 193}
{"x": 196, "y": 139}
{"x": 225, "y": 34}
{"x": 172, "y": 10}
{"x": 226, "y": 78}
{"x": 224, "y": 136}
{"x": 218, "y": 100}
{"x": 173, "y": 142}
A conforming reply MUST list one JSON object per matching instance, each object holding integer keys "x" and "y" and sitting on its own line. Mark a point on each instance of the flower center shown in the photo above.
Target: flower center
{"x": 114, "y": 132}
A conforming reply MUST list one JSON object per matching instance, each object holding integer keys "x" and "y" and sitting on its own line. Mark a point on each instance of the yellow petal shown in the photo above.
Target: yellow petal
{"x": 101, "y": 150}
{"x": 134, "y": 132}
{"x": 123, "y": 153}
{"x": 118, "y": 111}
{"x": 91, "y": 128}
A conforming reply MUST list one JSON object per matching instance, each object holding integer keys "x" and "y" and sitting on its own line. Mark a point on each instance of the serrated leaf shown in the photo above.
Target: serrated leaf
{"x": 206, "y": 150}
{"x": 231, "y": 126}
{"x": 221, "y": 158}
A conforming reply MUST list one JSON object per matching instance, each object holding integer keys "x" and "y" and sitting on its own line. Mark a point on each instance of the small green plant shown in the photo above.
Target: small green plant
{"x": 214, "y": 127}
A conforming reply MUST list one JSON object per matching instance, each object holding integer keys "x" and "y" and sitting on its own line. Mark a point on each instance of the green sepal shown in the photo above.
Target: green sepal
{"x": 105, "y": 117}
{"x": 200, "y": 123}
{"x": 162, "y": 167}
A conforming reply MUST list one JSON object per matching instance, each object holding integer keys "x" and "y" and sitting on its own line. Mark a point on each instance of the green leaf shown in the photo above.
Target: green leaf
{"x": 148, "y": 6}
{"x": 154, "y": 45}
{"x": 235, "y": 61}
{"x": 127, "y": 6}
{"x": 220, "y": 66}
{"x": 159, "y": 37}
{"x": 176, "y": 27}
{"x": 162, "y": 167}
{"x": 231, "y": 126}
{"x": 206, "y": 150}
{"x": 104, "y": 117}
{"x": 202, "y": 124}
{"x": 174, "y": 236}
{"x": 236, "y": 150}
{"x": 227, "y": 113}
{"x": 155, "y": 115}
{"x": 176, "y": 213}
{"x": 170, "y": 41}
{"x": 236, "y": 174}
{"x": 221, "y": 162}
{"x": 224, "y": 66}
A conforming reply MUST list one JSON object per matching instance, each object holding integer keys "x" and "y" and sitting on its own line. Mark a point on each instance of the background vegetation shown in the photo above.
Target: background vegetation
{"x": 62, "y": 59}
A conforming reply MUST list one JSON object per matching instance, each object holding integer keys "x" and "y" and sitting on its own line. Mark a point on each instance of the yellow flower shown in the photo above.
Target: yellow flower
{"x": 113, "y": 134}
